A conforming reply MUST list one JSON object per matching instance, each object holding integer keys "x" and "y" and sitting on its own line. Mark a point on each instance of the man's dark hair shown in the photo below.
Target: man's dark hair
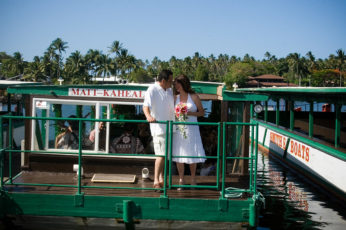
{"x": 164, "y": 75}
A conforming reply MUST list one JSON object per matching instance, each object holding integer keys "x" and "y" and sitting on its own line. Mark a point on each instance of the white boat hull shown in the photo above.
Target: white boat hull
{"x": 327, "y": 168}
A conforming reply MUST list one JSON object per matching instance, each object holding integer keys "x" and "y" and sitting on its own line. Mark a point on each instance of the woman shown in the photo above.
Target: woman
{"x": 102, "y": 137}
{"x": 69, "y": 138}
{"x": 187, "y": 139}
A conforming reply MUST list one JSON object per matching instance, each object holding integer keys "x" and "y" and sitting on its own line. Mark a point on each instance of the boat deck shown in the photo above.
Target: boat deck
{"x": 56, "y": 178}
{"x": 58, "y": 171}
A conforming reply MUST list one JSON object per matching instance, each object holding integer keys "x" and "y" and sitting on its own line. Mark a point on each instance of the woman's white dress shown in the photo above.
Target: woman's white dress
{"x": 192, "y": 145}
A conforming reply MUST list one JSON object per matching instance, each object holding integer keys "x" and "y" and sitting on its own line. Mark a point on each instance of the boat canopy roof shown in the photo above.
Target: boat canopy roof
{"x": 4, "y": 84}
{"x": 206, "y": 90}
{"x": 316, "y": 94}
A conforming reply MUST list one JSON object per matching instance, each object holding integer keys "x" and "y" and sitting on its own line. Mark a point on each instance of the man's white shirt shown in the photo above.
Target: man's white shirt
{"x": 161, "y": 106}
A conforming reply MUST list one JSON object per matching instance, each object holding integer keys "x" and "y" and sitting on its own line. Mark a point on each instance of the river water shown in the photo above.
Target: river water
{"x": 293, "y": 203}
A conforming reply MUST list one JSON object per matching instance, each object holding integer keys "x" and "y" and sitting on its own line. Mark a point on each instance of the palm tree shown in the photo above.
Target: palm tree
{"x": 49, "y": 61}
{"x": 126, "y": 62}
{"x": 131, "y": 64}
{"x": 311, "y": 64}
{"x": 196, "y": 61}
{"x": 60, "y": 46}
{"x": 76, "y": 69}
{"x": 35, "y": 70}
{"x": 247, "y": 58}
{"x": 91, "y": 61}
{"x": 267, "y": 55}
{"x": 17, "y": 64}
{"x": 340, "y": 58}
{"x": 105, "y": 66}
{"x": 297, "y": 65}
{"x": 116, "y": 47}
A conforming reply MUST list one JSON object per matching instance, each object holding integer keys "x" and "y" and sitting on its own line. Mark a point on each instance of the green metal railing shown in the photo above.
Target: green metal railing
{"x": 168, "y": 155}
{"x": 252, "y": 157}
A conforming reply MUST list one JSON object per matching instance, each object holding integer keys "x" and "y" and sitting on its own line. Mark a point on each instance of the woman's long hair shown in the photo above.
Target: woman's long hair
{"x": 185, "y": 83}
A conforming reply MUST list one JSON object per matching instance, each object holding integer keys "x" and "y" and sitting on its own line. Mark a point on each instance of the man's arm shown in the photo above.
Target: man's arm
{"x": 146, "y": 111}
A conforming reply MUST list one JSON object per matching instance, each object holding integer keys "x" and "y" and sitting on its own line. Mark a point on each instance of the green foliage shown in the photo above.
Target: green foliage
{"x": 79, "y": 68}
{"x": 202, "y": 73}
{"x": 238, "y": 73}
{"x": 140, "y": 76}
{"x": 326, "y": 78}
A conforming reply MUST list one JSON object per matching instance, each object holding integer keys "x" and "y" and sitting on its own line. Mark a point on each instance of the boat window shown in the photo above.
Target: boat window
{"x": 323, "y": 125}
{"x": 97, "y": 137}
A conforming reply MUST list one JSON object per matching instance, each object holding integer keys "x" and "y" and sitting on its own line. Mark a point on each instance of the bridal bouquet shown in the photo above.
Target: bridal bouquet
{"x": 181, "y": 115}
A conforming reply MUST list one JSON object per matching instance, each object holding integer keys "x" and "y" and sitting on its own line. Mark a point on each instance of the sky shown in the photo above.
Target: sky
{"x": 162, "y": 28}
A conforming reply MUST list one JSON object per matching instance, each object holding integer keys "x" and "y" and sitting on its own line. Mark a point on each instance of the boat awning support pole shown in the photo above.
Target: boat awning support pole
{"x": 277, "y": 111}
{"x": 337, "y": 125}
{"x": 9, "y": 102}
{"x": 291, "y": 103}
{"x": 266, "y": 111}
{"x": 311, "y": 120}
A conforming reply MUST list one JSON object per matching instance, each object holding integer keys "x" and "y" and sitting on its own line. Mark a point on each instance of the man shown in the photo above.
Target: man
{"x": 159, "y": 106}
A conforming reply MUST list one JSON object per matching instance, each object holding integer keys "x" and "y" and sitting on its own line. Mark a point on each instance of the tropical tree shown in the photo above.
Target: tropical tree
{"x": 116, "y": 47}
{"x": 297, "y": 66}
{"x": 91, "y": 61}
{"x": 35, "y": 71}
{"x": 247, "y": 58}
{"x": 50, "y": 65}
{"x": 154, "y": 68}
{"x": 105, "y": 66}
{"x": 238, "y": 73}
{"x": 141, "y": 76}
{"x": 340, "y": 58}
{"x": 202, "y": 73}
{"x": 267, "y": 55}
{"x": 75, "y": 69}
{"x": 18, "y": 64}
{"x": 311, "y": 64}
{"x": 12, "y": 66}
{"x": 325, "y": 78}
{"x": 60, "y": 46}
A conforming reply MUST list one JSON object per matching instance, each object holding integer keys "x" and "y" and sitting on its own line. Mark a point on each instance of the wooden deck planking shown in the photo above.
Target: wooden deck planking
{"x": 37, "y": 177}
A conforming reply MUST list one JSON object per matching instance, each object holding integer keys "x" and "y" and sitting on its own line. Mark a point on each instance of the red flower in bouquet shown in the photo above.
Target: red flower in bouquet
{"x": 181, "y": 115}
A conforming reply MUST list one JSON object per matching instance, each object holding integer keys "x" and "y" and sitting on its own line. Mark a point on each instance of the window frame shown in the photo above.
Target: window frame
{"x": 98, "y": 105}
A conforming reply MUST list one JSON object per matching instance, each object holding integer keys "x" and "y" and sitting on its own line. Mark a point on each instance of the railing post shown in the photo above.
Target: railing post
{"x": 170, "y": 154}
{"x": 256, "y": 159}
{"x": 311, "y": 120}
{"x": 2, "y": 157}
{"x": 218, "y": 156}
{"x": 1, "y": 136}
{"x": 79, "y": 156}
{"x": 166, "y": 157}
{"x": 251, "y": 111}
{"x": 223, "y": 159}
{"x": 337, "y": 108}
{"x": 10, "y": 141}
{"x": 266, "y": 111}
{"x": 291, "y": 115}
{"x": 277, "y": 112}
{"x": 251, "y": 158}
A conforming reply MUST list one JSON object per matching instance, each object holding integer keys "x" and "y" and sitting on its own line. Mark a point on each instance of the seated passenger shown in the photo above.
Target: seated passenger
{"x": 69, "y": 138}
{"x": 127, "y": 143}
{"x": 102, "y": 139}
{"x": 146, "y": 138}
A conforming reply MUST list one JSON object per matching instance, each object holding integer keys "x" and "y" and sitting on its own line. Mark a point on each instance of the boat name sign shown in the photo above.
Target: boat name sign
{"x": 295, "y": 148}
{"x": 110, "y": 93}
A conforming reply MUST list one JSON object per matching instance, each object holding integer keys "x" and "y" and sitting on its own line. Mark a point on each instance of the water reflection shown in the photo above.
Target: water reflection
{"x": 292, "y": 203}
